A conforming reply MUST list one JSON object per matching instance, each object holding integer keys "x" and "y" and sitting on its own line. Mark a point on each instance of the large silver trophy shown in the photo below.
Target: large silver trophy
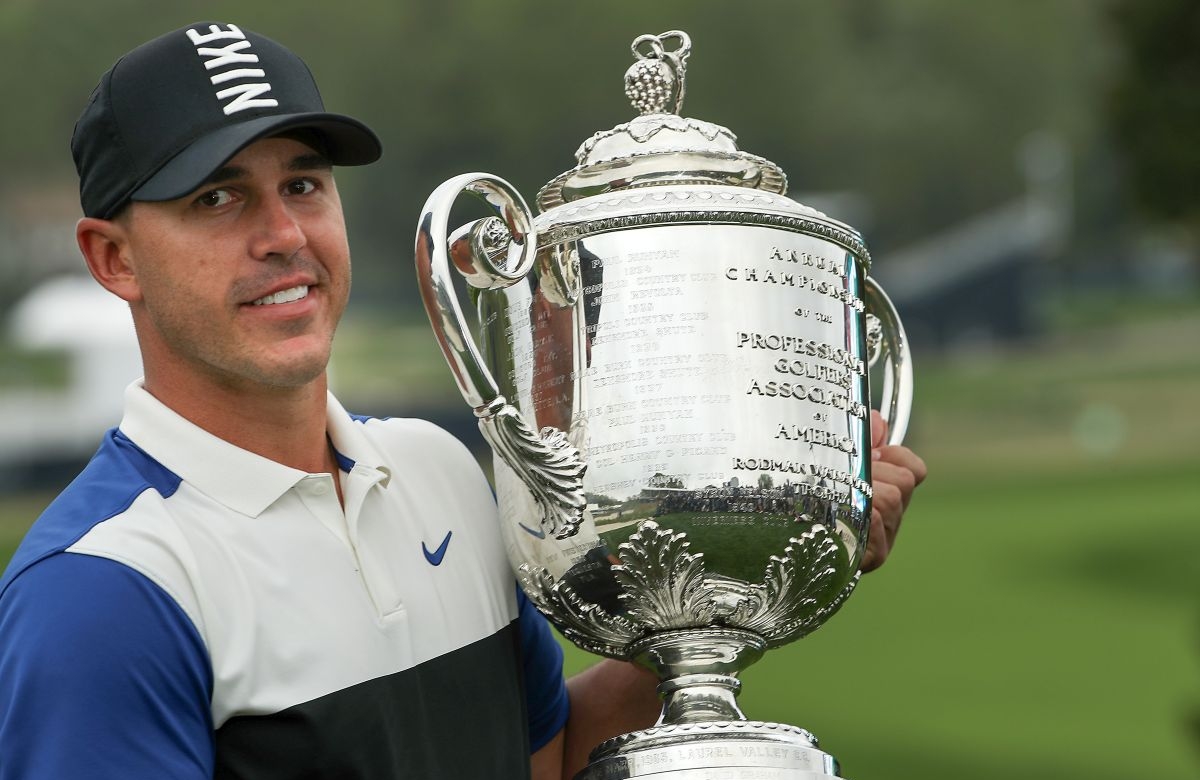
{"x": 670, "y": 363}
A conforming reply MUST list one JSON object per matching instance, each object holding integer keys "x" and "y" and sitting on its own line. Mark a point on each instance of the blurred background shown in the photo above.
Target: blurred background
{"x": 1027, "y": 175}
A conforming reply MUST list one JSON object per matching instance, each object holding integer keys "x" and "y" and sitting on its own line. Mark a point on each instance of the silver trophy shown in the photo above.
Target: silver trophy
{"x": 670, "y": 363}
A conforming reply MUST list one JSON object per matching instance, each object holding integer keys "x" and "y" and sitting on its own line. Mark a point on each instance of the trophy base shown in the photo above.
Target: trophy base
{"x": 716, "y": 750}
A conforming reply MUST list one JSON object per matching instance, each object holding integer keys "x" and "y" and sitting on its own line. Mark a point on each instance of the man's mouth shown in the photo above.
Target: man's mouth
{"x": 283, "y": 296}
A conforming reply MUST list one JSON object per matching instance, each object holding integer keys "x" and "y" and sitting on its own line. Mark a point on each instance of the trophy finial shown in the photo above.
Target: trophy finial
{"x": 659, "y": 146}
{"x": 656, "y": 80}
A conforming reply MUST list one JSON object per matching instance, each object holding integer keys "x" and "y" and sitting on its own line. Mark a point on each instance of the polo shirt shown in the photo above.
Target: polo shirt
{"x": 188, "y": 609}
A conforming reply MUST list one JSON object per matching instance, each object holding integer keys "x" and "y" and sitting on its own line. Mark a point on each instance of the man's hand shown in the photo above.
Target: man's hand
{"x": 895, "y": 473}
{"x": 610, "y": 698}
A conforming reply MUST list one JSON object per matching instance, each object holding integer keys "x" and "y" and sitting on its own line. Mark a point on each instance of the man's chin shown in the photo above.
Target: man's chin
{"x": 295, "y": 377}
{"x": 298, "y": 372}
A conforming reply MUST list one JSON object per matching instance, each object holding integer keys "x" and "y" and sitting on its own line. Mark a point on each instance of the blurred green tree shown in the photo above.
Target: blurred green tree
{"x": 917, "y": 107}
{"x": 1155, "y": 107}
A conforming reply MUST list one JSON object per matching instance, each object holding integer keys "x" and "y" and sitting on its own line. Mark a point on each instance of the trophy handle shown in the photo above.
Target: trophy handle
{"x": 545, "y": 461}
{"x": 885, "y": 338}
{"x": 475, "y": 381}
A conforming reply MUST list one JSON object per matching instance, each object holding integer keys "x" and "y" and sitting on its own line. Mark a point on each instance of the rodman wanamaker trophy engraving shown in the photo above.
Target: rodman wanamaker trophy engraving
{"x": 671, "y": 362}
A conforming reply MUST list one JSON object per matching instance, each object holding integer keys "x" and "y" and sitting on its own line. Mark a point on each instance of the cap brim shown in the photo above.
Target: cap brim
{"x": 347, "y": 142}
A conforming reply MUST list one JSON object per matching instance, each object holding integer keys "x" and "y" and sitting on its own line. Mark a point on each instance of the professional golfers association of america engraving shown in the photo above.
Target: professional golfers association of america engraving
{"x": 671, "y": 362}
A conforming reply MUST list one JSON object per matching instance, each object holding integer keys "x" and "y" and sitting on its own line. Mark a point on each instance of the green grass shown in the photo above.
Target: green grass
{"x": 1039, "y": 617}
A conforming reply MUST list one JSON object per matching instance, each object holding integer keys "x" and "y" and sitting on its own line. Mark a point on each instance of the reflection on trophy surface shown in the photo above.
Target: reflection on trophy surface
{"x": 670, "y": 363}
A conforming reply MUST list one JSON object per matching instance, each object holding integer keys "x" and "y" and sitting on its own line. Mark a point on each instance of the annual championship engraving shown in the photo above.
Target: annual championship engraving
{"x": 671, "y": 366}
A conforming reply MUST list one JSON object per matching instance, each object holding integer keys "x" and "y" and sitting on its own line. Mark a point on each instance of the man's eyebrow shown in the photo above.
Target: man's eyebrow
{"x": 223, "y": 174}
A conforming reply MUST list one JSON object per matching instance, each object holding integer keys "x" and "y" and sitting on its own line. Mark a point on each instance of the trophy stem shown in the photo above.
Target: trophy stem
{"x": 698, "y": 668}
{"x": 700, "y": 698}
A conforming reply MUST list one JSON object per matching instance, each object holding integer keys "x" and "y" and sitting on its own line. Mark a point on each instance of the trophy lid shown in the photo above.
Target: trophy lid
{"x": 660, "y": 147}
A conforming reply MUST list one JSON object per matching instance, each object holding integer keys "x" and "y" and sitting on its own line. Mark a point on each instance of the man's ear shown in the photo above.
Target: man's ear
{"x": 105, "y": 247}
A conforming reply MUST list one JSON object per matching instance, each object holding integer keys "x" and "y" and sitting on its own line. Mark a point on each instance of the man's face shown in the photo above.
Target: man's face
{"x": 242, "y": 282}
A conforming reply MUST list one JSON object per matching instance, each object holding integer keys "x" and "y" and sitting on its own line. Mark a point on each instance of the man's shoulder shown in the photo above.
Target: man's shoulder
{"x": 412, "y": 438}
{"x": 410, "y": 426}
{"x": 107, "y": 487}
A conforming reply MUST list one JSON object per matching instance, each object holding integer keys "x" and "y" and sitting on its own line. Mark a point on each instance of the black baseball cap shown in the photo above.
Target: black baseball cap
{"x": 173, "y": 110}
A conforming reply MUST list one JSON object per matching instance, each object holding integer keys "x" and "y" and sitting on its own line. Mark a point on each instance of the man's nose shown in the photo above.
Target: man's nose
{"x": 278, "y": 230}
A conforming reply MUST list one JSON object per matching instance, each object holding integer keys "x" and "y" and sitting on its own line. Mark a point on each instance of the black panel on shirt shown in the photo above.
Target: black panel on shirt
{"x": 457, "y": 717}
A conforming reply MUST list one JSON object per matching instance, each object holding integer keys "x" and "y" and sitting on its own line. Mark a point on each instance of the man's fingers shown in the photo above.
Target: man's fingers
{"x": 895, "y": 473}
{"x": 905, "y": 458}
{"x": 887, "y": 476}
{"x": 889, "y": 501}
{"x": 877, "y": 544}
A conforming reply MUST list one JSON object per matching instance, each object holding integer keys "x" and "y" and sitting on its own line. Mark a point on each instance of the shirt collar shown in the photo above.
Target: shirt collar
{"x": 241, "y": 480}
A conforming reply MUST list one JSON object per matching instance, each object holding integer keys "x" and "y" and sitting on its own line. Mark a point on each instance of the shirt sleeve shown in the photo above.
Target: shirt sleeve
{"x": 102, "y": 676}
{"x": 542, "y": 664}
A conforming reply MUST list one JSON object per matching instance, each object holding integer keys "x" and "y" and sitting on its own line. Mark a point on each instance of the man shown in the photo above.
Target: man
{"x": 246, "y": 581}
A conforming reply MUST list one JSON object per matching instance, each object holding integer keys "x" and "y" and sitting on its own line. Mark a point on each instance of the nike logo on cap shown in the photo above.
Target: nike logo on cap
{"x": 435, "y": 557}
{"x": 229, "y": 60}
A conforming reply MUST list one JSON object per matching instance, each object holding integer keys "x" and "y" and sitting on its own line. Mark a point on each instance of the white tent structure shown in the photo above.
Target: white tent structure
{"x": 94, "y": 329}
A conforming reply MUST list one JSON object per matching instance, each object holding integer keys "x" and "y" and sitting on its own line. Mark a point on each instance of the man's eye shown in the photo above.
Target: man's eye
{"x": 301, "y": 186}
{"x": 214, "y": 198}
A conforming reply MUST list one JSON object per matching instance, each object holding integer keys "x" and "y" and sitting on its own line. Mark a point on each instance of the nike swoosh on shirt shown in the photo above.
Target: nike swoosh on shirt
{"x": 435, "y": 557}
{"x": 540, "y": 534}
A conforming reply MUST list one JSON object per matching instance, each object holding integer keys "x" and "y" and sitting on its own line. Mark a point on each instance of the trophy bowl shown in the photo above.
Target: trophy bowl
{"x": 670, "y": 362}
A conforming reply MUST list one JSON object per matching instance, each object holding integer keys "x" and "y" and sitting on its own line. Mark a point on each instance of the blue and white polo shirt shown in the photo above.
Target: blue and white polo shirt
{"x": 188, "y": 609}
